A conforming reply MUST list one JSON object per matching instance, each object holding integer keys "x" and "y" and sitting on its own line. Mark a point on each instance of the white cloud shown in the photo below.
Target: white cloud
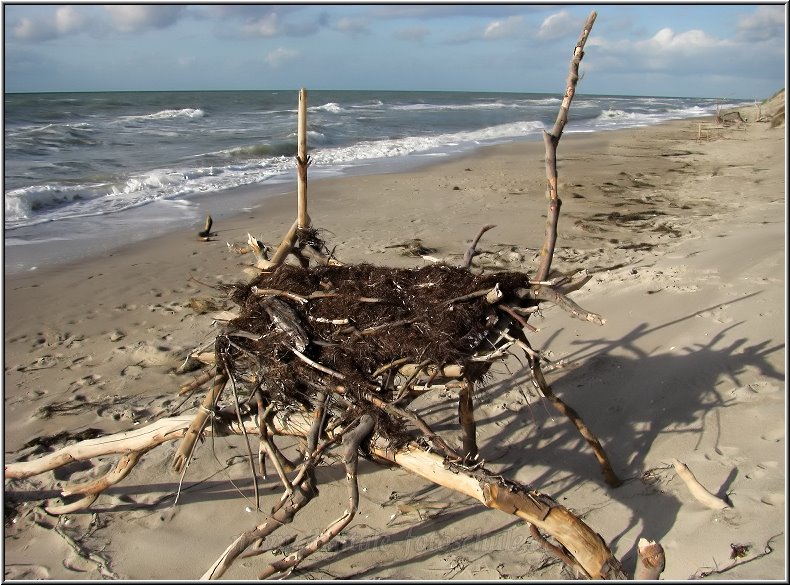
{"x": 266, "y": 26}
{"x": 69, "y": 20}
{"x": 667, "y": 40}
{"x": 558, "y": 25}
{"x": 280, "y": 55}
{"x": 138, "y": 17}
{"x": 272, "y": 24}
{"x": 351, "y": 26}
{"x": 765, "y": 23}
{"x": 64, "y": 21}
{"x": 507, "y": 27}
{"x": 28, "y": 29}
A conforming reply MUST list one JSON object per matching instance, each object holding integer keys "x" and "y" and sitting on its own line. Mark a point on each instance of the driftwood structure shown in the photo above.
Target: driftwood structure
{"x": 335, "y": 354}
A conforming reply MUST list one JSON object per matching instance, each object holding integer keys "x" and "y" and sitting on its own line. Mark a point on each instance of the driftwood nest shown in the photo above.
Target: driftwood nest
{"x": 335, "y": 355}
{"x": 345, "y": 349}
{"x": 372, "y": 328}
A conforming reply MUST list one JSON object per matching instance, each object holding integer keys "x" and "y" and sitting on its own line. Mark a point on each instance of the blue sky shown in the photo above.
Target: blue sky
{"x": 709, "y": 50}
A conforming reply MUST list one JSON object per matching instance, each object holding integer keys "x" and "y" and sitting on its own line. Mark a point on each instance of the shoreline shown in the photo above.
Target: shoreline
{"x": 103, "y": 233}
{"x": 684, "y": 240}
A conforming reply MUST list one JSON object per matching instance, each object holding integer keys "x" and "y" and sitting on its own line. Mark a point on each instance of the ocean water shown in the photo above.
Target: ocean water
{"x": 85, "y": 165}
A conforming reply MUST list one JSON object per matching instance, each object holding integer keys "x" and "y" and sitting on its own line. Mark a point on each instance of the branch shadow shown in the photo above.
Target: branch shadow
{"x": 629, "y": 398}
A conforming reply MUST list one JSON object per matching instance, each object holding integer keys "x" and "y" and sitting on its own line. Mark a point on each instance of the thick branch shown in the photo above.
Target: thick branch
{"x": 551, "y": 141}
{"x": 184, "y": 453}
{"x": 603, "y": 460}
{"x": 586, "y": 547}
{"x": 542, "y": 293}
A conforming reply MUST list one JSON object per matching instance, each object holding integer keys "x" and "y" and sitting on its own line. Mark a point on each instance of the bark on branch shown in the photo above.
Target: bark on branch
{"x": 551, "y": 141}
{"x": 587, "y": 548}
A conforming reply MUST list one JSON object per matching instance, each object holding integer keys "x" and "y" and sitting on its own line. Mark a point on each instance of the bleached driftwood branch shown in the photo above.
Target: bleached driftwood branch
{"x": 700, "y": 493}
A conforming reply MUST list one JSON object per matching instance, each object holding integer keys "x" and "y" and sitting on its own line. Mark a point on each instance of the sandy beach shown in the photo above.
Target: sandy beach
{"x": 684, "y": 233}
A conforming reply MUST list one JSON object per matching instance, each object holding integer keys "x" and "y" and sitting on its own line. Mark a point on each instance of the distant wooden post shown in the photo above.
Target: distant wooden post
{"x": 302, "y": 162}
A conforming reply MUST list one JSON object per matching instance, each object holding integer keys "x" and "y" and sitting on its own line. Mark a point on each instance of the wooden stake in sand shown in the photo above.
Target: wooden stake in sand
{"x": 302, "y": 161}
{"x": 650, "y": 560}
{"x": 302, "y": 218}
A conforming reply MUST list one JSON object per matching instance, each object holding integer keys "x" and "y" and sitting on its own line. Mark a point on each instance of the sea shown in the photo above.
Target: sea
{"x": 86, "y": 172}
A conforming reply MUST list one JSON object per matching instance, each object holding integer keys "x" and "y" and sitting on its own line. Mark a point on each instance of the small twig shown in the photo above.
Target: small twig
{"x": 378, "y": 328}
{"x": 415, "y": 418}
{"x": 521, "y": 320}
{"x": 472, "y": 251}
{"x": 188, "y": 443}
{"x": 272, "y": 292}
{"x": 198, "y": 382}
{"x": 351, "y": 443}
{"x": 101, "y": 563}
{"x": 418, "y": 370}
{"x": 389, "y": 366}
{"x": 563, "y": 302}
{"x": 246, "y": 437}
{"x": 329, "y": 321}
{"x": 317, "y": 366}
{"x": 473, "y": 295}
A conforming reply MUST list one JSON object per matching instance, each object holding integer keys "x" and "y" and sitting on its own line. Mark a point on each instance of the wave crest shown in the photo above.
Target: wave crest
{"x": 189, "y": 113}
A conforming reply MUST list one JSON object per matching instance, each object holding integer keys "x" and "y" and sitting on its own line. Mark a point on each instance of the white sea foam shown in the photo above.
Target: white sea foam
{"x": 163, "y": 155}
{"x": 190, "y": 113}
{"x": 388, "y": 148}
{"x": 331, "y": 107}
{"x": 475, "y": 106}
{"x": 22, "y": 204}
{"x": 33, "y": 205}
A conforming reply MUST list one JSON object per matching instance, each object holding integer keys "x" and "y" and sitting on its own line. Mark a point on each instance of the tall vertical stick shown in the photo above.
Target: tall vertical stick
{"x": 551, "y": 141}
{"x": 301, "y": 161}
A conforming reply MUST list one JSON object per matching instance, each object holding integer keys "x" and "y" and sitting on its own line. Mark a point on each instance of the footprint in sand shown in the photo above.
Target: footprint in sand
{"x": 773, "y": 436}
{"x": 147, "y": 354}
{"x": 90, "y": 380}
{"x": 762, "y": 469}
{"x": 717, "y": 315}
{"x": 43, "y": 363}
{"x": 26, "y": 572}
{"x": 132, "y": 372}
{"x": 773, "y": 499}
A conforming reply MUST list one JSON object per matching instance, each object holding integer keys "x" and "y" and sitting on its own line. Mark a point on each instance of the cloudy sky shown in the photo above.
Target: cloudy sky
{"x": 725, "y": 50}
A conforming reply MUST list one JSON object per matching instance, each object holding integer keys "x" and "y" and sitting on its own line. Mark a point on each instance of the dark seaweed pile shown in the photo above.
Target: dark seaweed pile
{"x": 354, "y": 319}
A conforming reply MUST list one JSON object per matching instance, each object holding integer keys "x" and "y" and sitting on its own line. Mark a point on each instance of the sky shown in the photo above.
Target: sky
{"x": 704, "y": 50}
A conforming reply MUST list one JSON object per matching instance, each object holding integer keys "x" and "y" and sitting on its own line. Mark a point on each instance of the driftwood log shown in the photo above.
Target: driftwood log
{"x": 335, "y": 354}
